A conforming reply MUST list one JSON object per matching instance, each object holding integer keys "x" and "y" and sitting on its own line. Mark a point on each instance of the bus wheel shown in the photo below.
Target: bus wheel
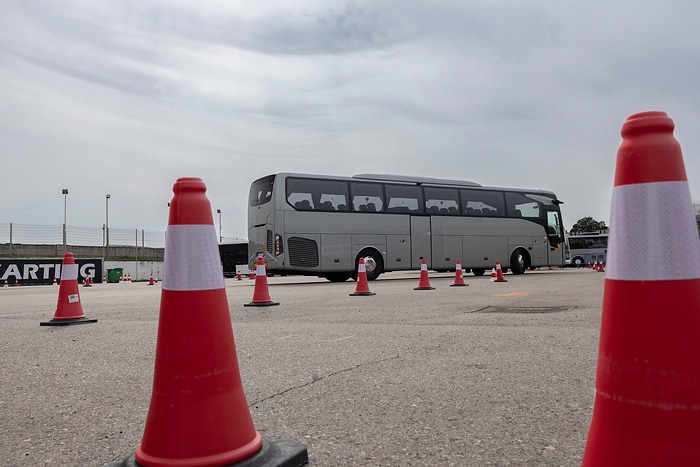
{"x": 478, "y": 271}
{"x": 578, "y": 262}
{"x": 374, "y": 264}
{"x": 519, "y": 261}
{"x": 338, "y": 276}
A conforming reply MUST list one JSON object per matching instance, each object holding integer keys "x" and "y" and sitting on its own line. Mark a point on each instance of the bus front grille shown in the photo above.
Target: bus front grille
{"x": 270, "y": 245}
{"x": 303, "y": 252}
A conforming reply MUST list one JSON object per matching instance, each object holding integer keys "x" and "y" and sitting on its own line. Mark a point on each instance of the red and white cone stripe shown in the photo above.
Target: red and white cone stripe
{"x": 196, "y": 266}
{"x": 653, "y": 244}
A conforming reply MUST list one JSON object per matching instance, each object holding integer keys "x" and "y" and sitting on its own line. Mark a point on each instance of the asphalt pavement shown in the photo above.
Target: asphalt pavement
{"x": 488, "y": 374}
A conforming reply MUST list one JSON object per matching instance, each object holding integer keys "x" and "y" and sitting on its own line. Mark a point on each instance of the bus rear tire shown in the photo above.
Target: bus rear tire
{"x": 374, "y": 264}
{"x": 519, "y": 261}
{"x": 478, "y": 271}
{"x": 338, "y": 276}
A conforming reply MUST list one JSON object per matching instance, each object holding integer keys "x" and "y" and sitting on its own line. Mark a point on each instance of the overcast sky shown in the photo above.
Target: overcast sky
{"x": 125, "y": 97}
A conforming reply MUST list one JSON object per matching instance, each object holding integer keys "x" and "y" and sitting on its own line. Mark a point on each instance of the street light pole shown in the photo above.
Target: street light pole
{"x": 64, "y": 192}
{"x": 220, "y": 237}
{"x": 107, "y": 226}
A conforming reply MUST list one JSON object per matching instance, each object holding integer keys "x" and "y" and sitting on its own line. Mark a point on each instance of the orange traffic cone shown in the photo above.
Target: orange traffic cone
{"x": 68, "y": 309}
{"x": 424, "y": 282}
{"x": 499, "y": 273}
{"x": 151, "y": 281}
{"x": 459, "y": 280}
{"x": 362, "y": 287}
{"x": 647, "y": 399}
{"x": 261, "y": 296}
{"x": 198, "y": 415}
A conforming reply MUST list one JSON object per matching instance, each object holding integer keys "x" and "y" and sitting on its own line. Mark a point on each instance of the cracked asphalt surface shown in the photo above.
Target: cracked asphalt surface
{"x": 490, "y": 374}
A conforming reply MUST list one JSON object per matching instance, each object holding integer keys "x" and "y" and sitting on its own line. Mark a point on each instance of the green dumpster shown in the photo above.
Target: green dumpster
{"x": 114, "y": 274}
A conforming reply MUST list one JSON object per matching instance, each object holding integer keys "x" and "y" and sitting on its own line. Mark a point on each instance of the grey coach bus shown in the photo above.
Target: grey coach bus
{"x": 322, "y": 225}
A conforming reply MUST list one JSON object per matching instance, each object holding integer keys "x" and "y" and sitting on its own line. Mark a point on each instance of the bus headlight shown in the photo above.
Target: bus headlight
{"x": 278, "y": 245}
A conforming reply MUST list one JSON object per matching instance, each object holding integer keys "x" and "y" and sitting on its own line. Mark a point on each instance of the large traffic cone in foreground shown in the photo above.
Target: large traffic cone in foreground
{"x": 647, "y": 401}
{"x": 424, "y": 281}
{"x": 261, "y": 295}
{"x": 499, "y": 273}
{"x": 459, "y": 280}
{"x": 362, "y": 287}
{"x": 198, "y": 414}
{"x": 69, "y": 310}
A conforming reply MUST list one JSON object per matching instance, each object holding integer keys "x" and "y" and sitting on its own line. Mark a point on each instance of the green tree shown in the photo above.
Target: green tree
{"x": 588, "y": 224}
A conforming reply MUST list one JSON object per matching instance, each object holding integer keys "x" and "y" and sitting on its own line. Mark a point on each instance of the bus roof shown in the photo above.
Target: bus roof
{"x": 421, "y": 181}
{"x": 414, "y": 180}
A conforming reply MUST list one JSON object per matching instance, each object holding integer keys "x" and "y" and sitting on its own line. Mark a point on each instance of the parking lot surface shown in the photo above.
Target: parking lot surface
{"x": 489, "y": 374}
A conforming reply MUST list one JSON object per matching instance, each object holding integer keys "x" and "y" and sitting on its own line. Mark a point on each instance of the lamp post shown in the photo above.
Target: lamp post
{"x": 220, "y": 237}
{"x": 64, "y": 192}
{"x": 107, "y": 225}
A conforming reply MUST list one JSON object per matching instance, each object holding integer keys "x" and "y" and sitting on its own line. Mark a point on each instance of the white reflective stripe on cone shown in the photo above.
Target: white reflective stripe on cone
{"x": 69, "y": 272}
{"x": 192, "y": 260}
{"x": 361, "y": 268}
{"x": 260, "y": 270}
{"x": 653, "y": 233}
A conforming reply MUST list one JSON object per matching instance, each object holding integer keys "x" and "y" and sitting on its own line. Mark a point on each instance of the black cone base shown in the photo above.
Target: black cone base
{"x": 274, "y": 453}
{"x": 261, "y": 304}
{"x": 67, "y": 322}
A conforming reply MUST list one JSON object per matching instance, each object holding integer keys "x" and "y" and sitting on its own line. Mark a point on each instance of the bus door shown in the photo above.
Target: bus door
{"x": 555, "y": 237}
{"x": 420, "y": 241}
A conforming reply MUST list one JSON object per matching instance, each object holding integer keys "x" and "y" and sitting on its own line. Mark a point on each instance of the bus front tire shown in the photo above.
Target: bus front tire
{"x": 519, "y": 261}
{"x": 478, "y": 271}
{"x": 374, "y": 264}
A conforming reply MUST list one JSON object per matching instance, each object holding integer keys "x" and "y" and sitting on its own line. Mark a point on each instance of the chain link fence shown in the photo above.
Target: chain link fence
{"x": 85, "y": 236}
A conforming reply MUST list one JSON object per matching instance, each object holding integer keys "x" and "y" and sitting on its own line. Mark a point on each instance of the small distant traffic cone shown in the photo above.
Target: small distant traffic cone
{"x": 238, "y": 276}
{"x": 499, "y": 273}
{"x": 362, "y": 287}
{"x": 459, "y": 280}
{"x": 87, "y": 282}
{"x": 261, "y": 296}
{"x": 646, "y": 410}
{"x": 493, "y": 275}
{"x": 54, "y": 281}
{"x": 589, "y": 265}
{"x": 121, "y": 279}
{"x": 69, "y": 310}
{"x": 198, "y": 415}
{"x": 251, "y": 275}
{"x": 601, "y": 266}
{"x": 424, "y": 282}
{"x": 128, "y": 278}
{"x": 104, "y": 279}
{"x": 5, "y": 283}
{"x": 151, "y": 281}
